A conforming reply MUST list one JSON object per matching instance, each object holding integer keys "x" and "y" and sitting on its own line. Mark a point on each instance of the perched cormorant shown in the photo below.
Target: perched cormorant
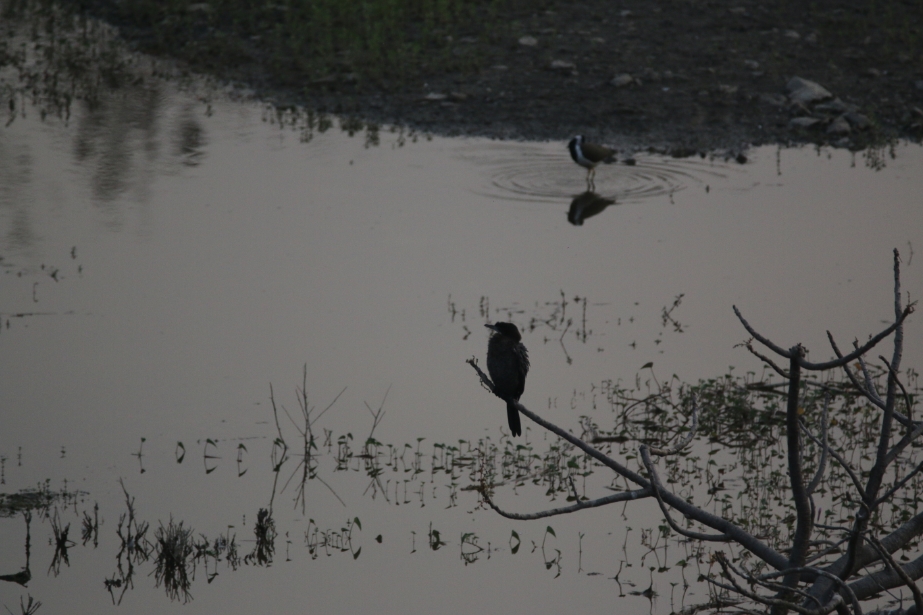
{"x": 508, "y": 364}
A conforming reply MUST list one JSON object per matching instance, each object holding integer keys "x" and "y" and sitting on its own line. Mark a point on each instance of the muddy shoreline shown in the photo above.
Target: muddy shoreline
{"x": 682, "y": 77}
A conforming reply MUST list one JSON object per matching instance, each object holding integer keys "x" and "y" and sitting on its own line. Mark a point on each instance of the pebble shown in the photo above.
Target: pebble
{"x": 528, "y": 41}
{"x": 562, "y": 65}
{"x": 622, "y": 80}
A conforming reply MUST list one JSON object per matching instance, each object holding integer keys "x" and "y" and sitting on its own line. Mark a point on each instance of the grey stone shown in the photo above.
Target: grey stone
{"x": 805, "y": 92}
{"x": 836, "y": 106}
{"x": 803, "y": 122}
{"x": 857, "y": 120}
{"x": 839, "y": 126}
{"x": 528, "y": 41}
{"x": 562, "y": 65}
{"x": 622, "y": 80}
{"x": 776, "y": 100}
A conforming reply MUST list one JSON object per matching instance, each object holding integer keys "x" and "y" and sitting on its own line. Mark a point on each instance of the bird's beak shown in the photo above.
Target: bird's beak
{"x": 491, "y": 327}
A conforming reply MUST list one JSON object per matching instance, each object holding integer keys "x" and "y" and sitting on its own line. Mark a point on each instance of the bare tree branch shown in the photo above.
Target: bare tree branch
{"x": 886, "y": 579}
{"x": 825, "y": 448}
{"x": 865, "y": 555}
{"x": 843, "y": 463}
{"x": 622, "y": 496}
{"x": 887, "y": 496}
{"x": 749, "y": 346}
{"x": 832, "y": 604}
{"x": 829, "y": 364}
{"x": 866, "y": 389}
{"x": 658, "y": 488}
{"x": 914, "y": 590}
{"x": 804, "y": 519}
{"x": 901, "y": 385}
{"x": 689, "y": 436}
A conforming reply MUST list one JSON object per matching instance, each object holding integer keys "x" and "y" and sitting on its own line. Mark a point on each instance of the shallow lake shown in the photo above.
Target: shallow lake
{"x": 166, "y": 259}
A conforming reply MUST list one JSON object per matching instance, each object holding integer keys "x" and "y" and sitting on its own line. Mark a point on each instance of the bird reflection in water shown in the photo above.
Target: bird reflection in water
{"x": 586, "y": 205}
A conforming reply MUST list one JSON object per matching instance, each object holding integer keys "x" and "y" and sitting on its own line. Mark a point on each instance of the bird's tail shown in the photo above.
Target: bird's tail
{"x": 512, "y": 416}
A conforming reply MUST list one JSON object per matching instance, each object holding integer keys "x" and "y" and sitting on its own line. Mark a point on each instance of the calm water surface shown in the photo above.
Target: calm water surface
{"x": 165, "y": 260}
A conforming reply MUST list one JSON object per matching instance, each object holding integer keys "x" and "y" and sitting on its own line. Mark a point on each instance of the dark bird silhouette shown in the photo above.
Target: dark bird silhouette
{"x": 585, "y": 206}
{"x": 508, "y": 364}
{"x": 588, "y": 155}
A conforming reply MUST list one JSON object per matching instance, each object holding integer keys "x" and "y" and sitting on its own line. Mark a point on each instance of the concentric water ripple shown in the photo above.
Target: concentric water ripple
{"x": 545, "y": 172}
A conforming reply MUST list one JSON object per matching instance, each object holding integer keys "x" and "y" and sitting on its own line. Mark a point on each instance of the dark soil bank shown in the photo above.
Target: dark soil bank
{"x": 677, "y": 75}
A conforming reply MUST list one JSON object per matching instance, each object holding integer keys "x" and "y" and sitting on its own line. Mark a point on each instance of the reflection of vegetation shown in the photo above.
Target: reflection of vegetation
{"x": 90, "y": 527}
{"x": 38, "y": 499}
{"x": 435, "y": 539}
{"x": 25, "y": 574}
{"x": 174, "y": 559}
{"x": 52, "y": 57}
{"x": 265, "y": 534}
{"x": 134, "y": 548}
{"x": 61, "y": 544}
{"x": 307, "y": 462}
{"x": 30, "y": 607}
{"x": 556, "y": 318}
{"x": 329, "y": 541}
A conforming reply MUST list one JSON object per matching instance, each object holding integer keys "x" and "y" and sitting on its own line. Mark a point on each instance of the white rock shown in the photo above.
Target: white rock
{"x": 528, "y": 41}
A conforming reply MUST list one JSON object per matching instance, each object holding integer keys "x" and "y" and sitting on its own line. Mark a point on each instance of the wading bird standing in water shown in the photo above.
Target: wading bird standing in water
{"x": 508, "y": 364}
{"x": 588, "y": 155}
